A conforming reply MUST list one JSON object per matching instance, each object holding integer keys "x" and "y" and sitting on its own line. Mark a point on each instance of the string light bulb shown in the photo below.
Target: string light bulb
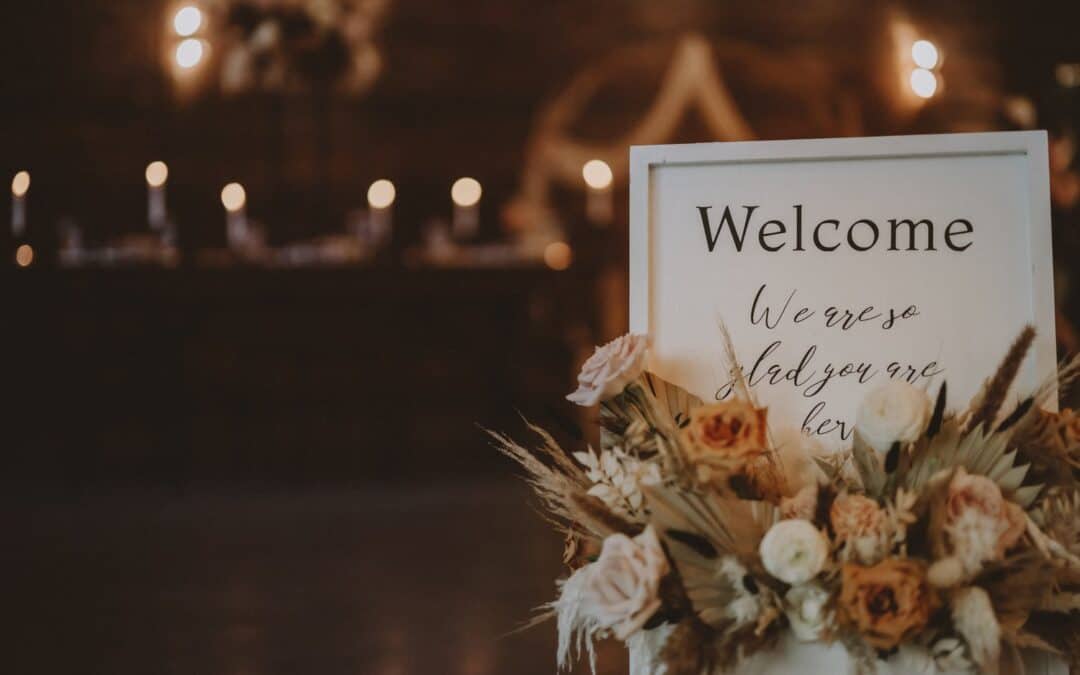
{"x": 157, "y": 173}
{"x": 233, "y": 197}
{"x": 597, "y": 174}
{"x": 381, "y": 194}
{"x": 923, "y": 82}
{"x": 20, "y": 184}
{"x": 189, "y": 53}
{"x": 924, "y": 54}
{"x": 187, "y": 21}
{"x": 466, "y": 192}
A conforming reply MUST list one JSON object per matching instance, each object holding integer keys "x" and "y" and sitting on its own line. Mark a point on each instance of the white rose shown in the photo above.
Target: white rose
{"x": 610, "y": 369}
{"x": 622, "y": 588}
{"x": 793, "y": 551}
{"x": 806, "y": 607}
{"x": 895, "y": 411}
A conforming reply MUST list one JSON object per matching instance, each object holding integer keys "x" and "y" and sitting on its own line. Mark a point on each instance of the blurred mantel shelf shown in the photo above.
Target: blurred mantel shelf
{"x": 42, "y": 286}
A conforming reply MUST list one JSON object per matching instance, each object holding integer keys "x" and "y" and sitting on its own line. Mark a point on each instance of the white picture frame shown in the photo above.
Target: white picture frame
{"x": 1026, "y": 151}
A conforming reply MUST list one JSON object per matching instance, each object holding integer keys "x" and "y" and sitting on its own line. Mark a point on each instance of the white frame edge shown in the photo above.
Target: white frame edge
{"x": 1031, "y": 144}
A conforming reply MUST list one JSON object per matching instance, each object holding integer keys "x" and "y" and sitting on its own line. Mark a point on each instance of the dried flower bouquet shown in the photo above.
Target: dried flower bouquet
{"x": 956, "y": 534}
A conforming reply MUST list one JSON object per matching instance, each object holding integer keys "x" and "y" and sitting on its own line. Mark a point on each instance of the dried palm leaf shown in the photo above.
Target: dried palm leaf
{"x": 979, "y": 451}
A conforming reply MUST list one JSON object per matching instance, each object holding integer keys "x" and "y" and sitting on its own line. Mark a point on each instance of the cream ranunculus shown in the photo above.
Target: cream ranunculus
{"x": 622, "y": 588}
{"x": 893, "y": 412}
{"x": 794, "y": 551}
{"x": 610, "y": 369}
{"x": 807, "y": 610}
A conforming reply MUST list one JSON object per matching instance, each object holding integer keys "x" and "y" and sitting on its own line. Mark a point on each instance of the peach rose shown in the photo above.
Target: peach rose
{"x": 622, "y": 588}
{"x": 980, "y": 522}
{"x": 856, "y": 516}
{"x": 725, "y": 436}
{"x": 859, "y": 523}
{"x": 610, "y": 369}
{"x": 887, "y": 602}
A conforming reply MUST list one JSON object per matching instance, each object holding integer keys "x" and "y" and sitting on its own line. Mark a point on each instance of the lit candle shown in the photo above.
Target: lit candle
{"x": 599, "y": 205}
{"x": 380, "y": 199}
{"x": 466, "y": 195}
{"x": 156, "y": 175}
{"x": 20, "y": 185}
{"x": 234, "y": 199}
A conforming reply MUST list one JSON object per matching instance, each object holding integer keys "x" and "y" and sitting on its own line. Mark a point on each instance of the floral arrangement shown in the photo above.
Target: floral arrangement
{"x": 288, "y": 45}
{"x": 954, "y": 535}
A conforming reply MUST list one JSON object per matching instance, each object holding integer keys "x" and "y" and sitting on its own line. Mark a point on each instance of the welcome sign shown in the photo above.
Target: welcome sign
{"x": 837, "y": 264}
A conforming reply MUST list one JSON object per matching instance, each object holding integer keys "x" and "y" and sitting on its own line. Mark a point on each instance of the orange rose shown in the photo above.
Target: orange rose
{"x": 725, "y": 435}
{"x": 888, "y": 602}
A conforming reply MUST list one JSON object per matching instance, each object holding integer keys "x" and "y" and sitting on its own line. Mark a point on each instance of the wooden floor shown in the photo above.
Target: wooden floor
{"x": 385, "y": 580}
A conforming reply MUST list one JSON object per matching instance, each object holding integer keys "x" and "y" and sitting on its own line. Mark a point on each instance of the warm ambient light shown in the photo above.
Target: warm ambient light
{"x": 189, "y": 52}
{"x": 923, "y": 83}
{"x": 233, "y": 197}
{"x": 24, "y": 255}
{"x": 381, "y": 194}
{"x": 466, "y": 192}
{"x": 597, "y": 174}
{"x": 20, "y": 184}
{"x": 187, "y": 21}
{"x": 557, "y": 255}
{"x": 156, "y": 174}
{"x": 924, "y": 54}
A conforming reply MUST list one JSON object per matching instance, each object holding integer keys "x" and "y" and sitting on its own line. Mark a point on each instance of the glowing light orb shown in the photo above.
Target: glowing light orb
{"x": 923, "y": 83}
{"x": 597, "y": 174}
{"x": 233, "y": 197}
{"x": 924, "y": 54}
{"x": 466, "y": 192}
{"x": 558, "y": 255}
{"x": 187, "y": 21}
{"x": 20, "y": 184}
{"x": 24, "y": 255}
{"x": 381, "y": 194}
{"x": 157, "y": 173}
{"x": 189, "y": 53}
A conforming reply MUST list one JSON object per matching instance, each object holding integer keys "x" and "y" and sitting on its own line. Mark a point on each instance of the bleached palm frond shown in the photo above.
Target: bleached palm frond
{"x": 978, "y": 451}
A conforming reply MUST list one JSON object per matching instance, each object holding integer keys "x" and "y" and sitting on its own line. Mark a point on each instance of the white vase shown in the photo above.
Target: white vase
{"x": 791, "y": 657}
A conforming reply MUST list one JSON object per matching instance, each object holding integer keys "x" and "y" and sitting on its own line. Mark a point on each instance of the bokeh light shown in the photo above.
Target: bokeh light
{"x": 466, "y": 192}
{"x": 923, "y": 83}
{"x": 20, "y": 184}
{"x": 233, "y": 197}
{"x": 597, "y": 174}
{"x": 189, "y": 53}
{"x": 187, "y": 21}
{"x": 381, "y": 194}
{"x": 558, "y": 255}
{"x": 157, "y": 173}
{"x": 924, "y": 54}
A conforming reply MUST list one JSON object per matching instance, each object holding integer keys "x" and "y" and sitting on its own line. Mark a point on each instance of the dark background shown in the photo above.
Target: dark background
{"x": 247, "y": 470}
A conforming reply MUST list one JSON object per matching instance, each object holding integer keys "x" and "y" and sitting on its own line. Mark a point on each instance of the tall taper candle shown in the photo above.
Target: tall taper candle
{"x": 380, "y": 199}
{"x": 157, "y": 173}
{"x": 234, "y": 199}
{"x": 466, "y": 194}
{"x": 20, "y": 185}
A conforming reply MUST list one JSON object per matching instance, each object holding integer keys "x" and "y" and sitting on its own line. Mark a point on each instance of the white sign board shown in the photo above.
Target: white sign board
{"x": 835, "y": 264}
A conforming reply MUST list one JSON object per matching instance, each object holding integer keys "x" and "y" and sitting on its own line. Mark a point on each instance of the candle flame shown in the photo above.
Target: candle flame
{"x": 157, "y": 173}
{"x": 20, "y": 184}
